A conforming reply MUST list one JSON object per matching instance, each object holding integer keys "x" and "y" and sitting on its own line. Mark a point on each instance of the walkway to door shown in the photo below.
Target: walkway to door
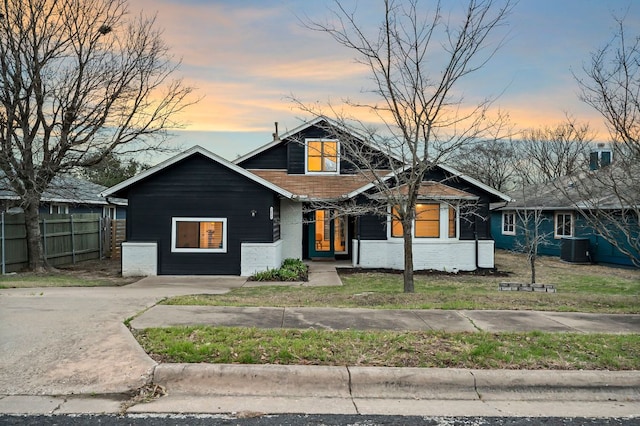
{"x": 321, "y": 274}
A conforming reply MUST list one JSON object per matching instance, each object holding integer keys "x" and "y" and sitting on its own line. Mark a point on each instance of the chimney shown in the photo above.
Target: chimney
{"x": 600, "y": 156}
{"x": 276, "y": 136}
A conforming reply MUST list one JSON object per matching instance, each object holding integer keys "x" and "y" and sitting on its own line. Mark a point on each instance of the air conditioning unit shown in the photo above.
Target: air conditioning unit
{"x": 575, "y": 250}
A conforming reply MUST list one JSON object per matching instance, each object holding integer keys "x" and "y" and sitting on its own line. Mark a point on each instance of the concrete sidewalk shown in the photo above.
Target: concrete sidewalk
{"x": 386, "y": 319}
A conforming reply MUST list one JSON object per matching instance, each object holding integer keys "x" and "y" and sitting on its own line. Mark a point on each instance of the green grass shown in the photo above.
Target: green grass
{"x": 29, "y": 280}
{"x": 576, "y": 293}
{"x": 533, "y": 350}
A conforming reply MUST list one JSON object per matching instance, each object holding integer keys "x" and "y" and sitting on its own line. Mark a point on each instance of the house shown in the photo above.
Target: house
{"x": 197, "y": 213}
{"x": 68, "y": 194}
{"x": 572, "y": 211}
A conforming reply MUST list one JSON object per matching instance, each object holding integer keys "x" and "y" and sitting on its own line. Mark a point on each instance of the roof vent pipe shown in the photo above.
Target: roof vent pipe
{"x": 276, "y": 136}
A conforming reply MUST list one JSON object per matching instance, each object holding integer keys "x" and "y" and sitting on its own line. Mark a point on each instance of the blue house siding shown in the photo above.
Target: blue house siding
{"x": 600, "y": 250}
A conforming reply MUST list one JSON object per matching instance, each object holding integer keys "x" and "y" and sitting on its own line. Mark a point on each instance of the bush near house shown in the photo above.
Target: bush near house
{"x": 291, "y": 270}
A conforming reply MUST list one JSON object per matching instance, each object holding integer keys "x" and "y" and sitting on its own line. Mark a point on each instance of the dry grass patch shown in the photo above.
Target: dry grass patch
{"x": 90, "y": 273}
{"x": 534, "y": 350}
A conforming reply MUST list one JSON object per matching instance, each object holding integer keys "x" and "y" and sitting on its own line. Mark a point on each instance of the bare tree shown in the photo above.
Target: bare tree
{"x": 529, "y": 225}
{"x": 491, "y": 162}
{"x": 416, "y": 59}
{"x": 609, "y": 198}
{"x": 80, "y": 79}
{"x": 549, "y": 152}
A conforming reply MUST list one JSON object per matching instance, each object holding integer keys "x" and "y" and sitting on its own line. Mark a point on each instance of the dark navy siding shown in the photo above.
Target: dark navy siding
{"x": 199, "y": 187}
{"x": 273, "y": 158}
{"x": 296, "y": 163}
{"x": 290, "y": 154}
{"x": 373, "y": 227}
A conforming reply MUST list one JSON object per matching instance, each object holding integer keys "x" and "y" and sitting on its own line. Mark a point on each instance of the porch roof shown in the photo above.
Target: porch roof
{"x": 319, "y": 187}
{"x": 432, "y": 190}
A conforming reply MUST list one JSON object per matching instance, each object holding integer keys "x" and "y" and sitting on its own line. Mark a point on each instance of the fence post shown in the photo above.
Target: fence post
{"x": 100, "y": 223}
{"x": 73, "y": 241}
{"x": 4, "y": 269}
{"x": 44, "y": 239}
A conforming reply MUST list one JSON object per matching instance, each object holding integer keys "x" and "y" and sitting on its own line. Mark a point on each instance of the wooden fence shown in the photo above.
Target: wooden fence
{"x": 114, "y": 234}
{"x": 66, "y": 239}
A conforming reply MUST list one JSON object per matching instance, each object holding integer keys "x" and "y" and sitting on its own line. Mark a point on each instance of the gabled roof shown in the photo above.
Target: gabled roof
{"x": 431, "y": 190}
{"x": 476, "y": 182}
{"x": 67, "y": 189}
{"x": 281, "y": 138}
{"x": 365, "y": 187}
{"x": 188, "y": 153}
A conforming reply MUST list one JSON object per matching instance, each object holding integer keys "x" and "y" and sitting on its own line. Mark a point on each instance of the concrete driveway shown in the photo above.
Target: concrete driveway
{"x": 61, "y": 341}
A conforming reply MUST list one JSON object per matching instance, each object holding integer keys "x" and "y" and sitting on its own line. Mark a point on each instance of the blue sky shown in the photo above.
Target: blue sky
{"x": 248, "y": 57}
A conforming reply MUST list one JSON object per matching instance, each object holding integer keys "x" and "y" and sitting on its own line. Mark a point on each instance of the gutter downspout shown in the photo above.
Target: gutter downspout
{"x": 2, "y": 240}
{"x": 358, "y": 253}
{"x": 475, "y": 236}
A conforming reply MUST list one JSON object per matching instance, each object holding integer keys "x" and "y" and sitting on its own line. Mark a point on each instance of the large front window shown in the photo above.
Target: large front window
{"x": 427, "y": 220}
{"x": 322, "y": 156}
{"x": 199, "y": 235}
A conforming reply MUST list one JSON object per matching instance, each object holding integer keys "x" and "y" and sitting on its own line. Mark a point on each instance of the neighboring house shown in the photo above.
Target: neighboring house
{"x": 568, "y": 233}
{"x": 68, "y": 195}
{"x": 197, "y": 213}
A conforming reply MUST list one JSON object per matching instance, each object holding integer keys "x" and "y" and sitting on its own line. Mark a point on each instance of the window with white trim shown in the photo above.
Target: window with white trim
{"x": 198, "y": 235}
{"x": 109, "y": 211}
{"x": 322, "y": 156}
{"x": 508, "y": 223}
{"x": 58, "y": 208}
{"x": 428, "y": 221}
{"x": 563, "y": 225}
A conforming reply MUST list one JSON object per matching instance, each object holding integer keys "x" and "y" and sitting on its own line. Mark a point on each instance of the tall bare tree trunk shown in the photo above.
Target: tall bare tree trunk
{"x": 34, "y": 237}
{"x": 408, "y": 257}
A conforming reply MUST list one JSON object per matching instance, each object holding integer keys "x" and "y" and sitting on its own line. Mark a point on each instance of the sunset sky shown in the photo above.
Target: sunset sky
{"x": 247, "y": 58}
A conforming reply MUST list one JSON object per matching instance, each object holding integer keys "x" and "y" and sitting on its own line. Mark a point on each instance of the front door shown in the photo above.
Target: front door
{"x": 327, "y": 236}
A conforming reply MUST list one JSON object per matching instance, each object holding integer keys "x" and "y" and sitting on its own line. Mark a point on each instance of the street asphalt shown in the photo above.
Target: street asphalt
{"x": 66, "y": 350}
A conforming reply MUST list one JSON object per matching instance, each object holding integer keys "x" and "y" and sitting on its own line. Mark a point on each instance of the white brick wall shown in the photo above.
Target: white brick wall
{"x": 257, "y": 257}
{"x": 139, "y": 259}
{"x": 442, "y": 255}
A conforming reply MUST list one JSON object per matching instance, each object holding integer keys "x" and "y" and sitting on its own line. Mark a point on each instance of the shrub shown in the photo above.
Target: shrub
{"x": 291, "y": 270}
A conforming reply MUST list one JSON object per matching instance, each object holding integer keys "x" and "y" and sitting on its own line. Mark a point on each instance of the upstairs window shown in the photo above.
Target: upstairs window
{"x": 322, "y": 156}
{"x": 508, "y": 223}
{"x": 563, "y": 225}
{"x": 199, "y": 235}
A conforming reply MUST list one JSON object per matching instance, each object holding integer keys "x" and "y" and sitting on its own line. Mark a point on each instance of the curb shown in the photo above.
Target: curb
{"x": 396, "y": 383}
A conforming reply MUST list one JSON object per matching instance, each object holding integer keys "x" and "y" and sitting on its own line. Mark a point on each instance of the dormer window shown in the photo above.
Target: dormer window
{"x": 322, "y": 156}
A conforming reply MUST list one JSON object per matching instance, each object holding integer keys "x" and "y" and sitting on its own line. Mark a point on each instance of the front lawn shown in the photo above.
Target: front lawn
{"x": 90, "y": 273}
{"x": 533, "y": 350}
{"x": 580, "y": 288}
